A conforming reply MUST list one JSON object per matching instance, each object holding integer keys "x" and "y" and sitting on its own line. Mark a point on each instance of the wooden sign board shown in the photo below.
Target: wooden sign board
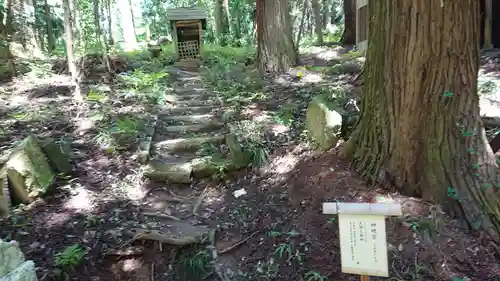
{"x": 363, "y": 245}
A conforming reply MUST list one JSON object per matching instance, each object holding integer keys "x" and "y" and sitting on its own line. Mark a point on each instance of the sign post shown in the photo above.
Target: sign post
{"x": 363, "y": 245}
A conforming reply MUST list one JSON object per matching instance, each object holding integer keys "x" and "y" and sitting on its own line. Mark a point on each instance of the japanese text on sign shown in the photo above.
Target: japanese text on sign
{"x": 362, "y": 244}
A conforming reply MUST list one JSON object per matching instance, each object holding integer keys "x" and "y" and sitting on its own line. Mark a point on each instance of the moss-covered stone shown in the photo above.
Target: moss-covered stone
{"x": 28, "y": 171}
{"x": 172, "y": 172}
{"x": 57, "y": 155}
{"x": 323, "y": 122}
{"x": 4, "y": 192}
{"x": 240, "y": 158}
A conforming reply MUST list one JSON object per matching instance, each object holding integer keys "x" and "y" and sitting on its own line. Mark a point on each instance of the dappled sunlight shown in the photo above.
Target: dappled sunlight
{"x": 282, "y": 164}
{"x": 278, "y": 129}
{"x": 82, "y": 200}
{"x": 129, "y": 265}
{"x": 57, "y": 219}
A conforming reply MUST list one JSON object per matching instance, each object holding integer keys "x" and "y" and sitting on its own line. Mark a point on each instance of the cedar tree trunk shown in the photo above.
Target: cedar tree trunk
{"x": 420, "y": 127}
{"x": 275, "y": 48}
{"x": 349, "y": 35}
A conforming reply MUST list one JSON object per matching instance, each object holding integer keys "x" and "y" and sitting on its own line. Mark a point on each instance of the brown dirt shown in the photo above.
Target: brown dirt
{"x": 282, "y": 204}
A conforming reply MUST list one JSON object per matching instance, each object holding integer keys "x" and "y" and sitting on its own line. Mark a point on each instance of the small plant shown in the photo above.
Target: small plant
{"x": 268, "y": 270}
{"x": 314, "y": 276}
{"x": 206, "y": 149}
{"x": 284, "y": 250}
{"x": 68, "y": 259}
{"x": 196, "y": 266}
{"x": 332, "y": 220}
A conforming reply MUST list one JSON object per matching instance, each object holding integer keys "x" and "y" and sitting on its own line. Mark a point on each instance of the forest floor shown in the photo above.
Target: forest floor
{"x": 275, "y": 230}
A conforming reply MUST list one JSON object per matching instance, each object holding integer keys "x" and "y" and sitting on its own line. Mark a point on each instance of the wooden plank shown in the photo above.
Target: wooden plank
{"x": 175, "y": 39}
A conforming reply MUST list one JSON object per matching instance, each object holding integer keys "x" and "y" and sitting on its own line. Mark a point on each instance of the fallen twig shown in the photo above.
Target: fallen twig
{"x": 238, "y": 243}
{"x": 153, "y": 271}
{"x": 129, "y": 251}
{"x": 166, "y": 216}
{"x": 198, "y": 202}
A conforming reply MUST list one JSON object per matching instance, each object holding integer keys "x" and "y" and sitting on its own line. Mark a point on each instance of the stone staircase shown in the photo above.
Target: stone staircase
{"x": 188, "y": 138}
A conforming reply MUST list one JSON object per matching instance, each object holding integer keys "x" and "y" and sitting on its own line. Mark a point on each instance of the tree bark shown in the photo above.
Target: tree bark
{"x": 110, "y": 22}
{"x": 221, "y": 21}
{"x": 349, "y": 35}
{"x": 49, "y": 29}
{"x": 275, "y": 48}
{"x": 420, "y": 127}
{"x": 318, "y": 21}
{"x": 487, "y": 24}
{"x": 301, "y": 25}
{"x": 68, "y": 30}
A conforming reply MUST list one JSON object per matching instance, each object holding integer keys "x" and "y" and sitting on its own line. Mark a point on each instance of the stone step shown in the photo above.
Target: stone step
{"x": 195, "y": 128}
{"x": 172, "y": 98}
{"x": 187, "y": 110}
{"x": 203, "y": 118}
{"x": 195, "y": 102}
{"x": 187, "y": 144}
{"x": 191, "y": 90}
{"x": 184, "y": 168}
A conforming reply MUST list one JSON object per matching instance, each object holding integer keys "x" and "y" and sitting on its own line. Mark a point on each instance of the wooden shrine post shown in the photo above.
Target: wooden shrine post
{"x": 363, "y": 245}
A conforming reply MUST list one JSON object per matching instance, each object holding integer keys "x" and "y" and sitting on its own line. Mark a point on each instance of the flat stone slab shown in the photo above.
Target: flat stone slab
{"x": 187, "y": 110}
{"x": 190, "y": 118}
{"x": 187, "y": 144}
{"x": 194, "y": 128}
{"x": 178, "y": 233}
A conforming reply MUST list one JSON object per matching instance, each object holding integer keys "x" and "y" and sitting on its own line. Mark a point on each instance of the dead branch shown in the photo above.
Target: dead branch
{"x": 230, "y": 248}
{"x": 165, "y": 216}
{"x": 199, "y": 201}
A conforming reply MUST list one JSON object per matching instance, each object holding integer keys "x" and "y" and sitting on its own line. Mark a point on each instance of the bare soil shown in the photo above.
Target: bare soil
{"x": 275, "y": 232}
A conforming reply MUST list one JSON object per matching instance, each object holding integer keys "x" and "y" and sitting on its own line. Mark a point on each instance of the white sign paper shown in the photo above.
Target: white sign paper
{"x": 363, "y": 245}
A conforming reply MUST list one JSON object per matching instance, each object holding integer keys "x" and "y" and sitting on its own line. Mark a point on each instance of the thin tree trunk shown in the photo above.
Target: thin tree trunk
{"x": 110, "y": 22}
{"x": 487, "y": 24}
{"x": 301, "y": 26}
{"x": 6, "y": 37}
{"x": 132, "y": 18}
{"x": 68, "y": 28}
{"x": 221, "y": 21}
{"x": 318, "y": 21}
{"x": 275, "y": 48}
{"x": 50, "y": 30}
{"x": 327, "y": 14}
{"x": 420, "y": 127}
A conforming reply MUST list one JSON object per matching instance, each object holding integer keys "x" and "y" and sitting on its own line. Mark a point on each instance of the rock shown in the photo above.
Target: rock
{"x": 57, "y": 155}
{"x": 10, "y": 256}
{"x": 323, "y": 122}
{"x": 28, "y": 171}
{"x": 179, "y": 172}
{"x": 188, "y": 144}
{"x": 162, "y": 40}
{"x": 4, "y": 192}
{"x": 240, "y": 158}
{"x": 24, "y": 272}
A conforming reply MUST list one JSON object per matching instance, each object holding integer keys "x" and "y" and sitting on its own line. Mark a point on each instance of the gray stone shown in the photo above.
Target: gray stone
{"x": 24, "y": 272}
{"x": 10, "y": 257}
{"x": 323, "y": 123}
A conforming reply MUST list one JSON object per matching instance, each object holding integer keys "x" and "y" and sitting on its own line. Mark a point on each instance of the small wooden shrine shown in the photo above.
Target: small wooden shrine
{"x": 188, "y": 25}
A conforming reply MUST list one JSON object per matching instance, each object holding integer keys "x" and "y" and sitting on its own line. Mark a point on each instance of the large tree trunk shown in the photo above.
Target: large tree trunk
{"x": 420, "y": 127}
{"x": 318, "y": 21}
{"x": 275, "y": 49}
{"x": 349, "y": 35}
